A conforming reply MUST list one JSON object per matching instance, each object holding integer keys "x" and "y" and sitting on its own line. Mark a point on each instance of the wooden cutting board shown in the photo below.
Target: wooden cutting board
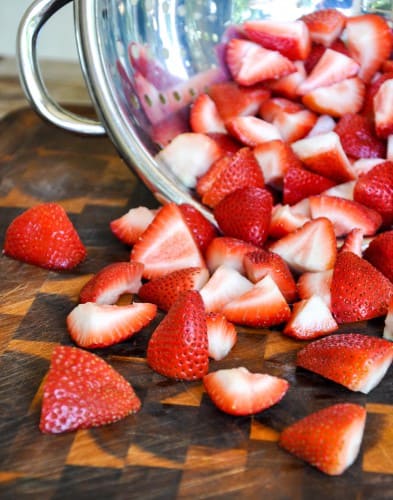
{"x": 179, "y": 445}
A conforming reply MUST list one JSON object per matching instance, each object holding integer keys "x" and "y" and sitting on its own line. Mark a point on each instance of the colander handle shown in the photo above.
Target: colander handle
{"x": 30, "y": 75}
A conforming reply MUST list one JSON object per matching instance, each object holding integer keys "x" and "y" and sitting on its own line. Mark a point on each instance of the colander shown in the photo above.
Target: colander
{"x": 144, "y": 61}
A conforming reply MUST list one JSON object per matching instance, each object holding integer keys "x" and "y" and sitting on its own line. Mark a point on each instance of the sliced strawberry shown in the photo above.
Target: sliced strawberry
{"x": 271, "y": 107}
{"x": 92, "y": 325}
{"x": 356, "y": 361}
{"x": 294, "y": 126}
{"x": 217, "y": 168}
{"x": 44, "y": 236}
{"x": 291, "y": 38}
{"x": 369, "y": 41}
{"x": 239, "y": 392}
{"x": 353, "y": 242}
{"x": 178, "y": 347}
{"x": 337, "y": 99}
{"x": 250, "y": 63}
{"x": 221, "y": 335}
{"x": 325, "y": 25}
{"x": 229, "y": 252}
{"x": 323, "y": 125}
{"x": 311, "y": 247}
{"x": 111, "y": 282}
{"x": 383, "y": 115}
{"x": 311, "y": 318}
{"x": 202, "y": 229}
{"x": 260, "y": 263}
{"x": 131, "y": 225}
{"x": 345, "y": 214}
{"x": 300, "y": 183}
{"x": 325, "y": 156}
{"x": 315, "y": 283}
{"x": 260, "y": 307}
{"x": 82, "y": 391}
{"x": 204, "y": 116}
{"x": 343, "y": 190}
{"x": 164, "y": 290}
{"x": 371, "y": 89}
{"x": 388, "y": 327}
{"x": 245, "y": 214}
{"x": 224, "y": 285}
{"x": 358, "y": 291}
{"x": 286, "y": 86}
{"x": 285, "y": 220}
{"x": 251, "y": 130}
{"x": 317, "y": 51}
{"x": 380, "y": 253}
{"x": 167, "y": 244}
{"x": 328, "y": 439}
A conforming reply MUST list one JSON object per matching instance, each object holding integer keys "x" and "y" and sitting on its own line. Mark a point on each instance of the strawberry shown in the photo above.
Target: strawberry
{"x": 310, "y": 318}
{"x": 202, "y": 229}
{"x": 237, "y": 391}
{"x": 383, "y": 116}
{"x": 315, "y": 283}
{"x": 227, "y": 144}
{"x": 260, "y": 263}
{"x": 364, "y": 165}
{"x": 328, "y": 439}
{"x": 353, "y": 242}
{"x": 131, "y": 225}
{"x": 245, "y": 214}
{"x": 217, "y": 168}
{"x": 317, "y": 51}
{"x": 167, "y": 244}
{"x": 221, "y": 335}
{"x": 285, "y": 220}
{"x": 164, "y": 290}
{"x": 260, "y": 307}
{"x": 358, "y": 291}
{"x": 375, "y": 190}
{"x": 343, "y": 190}
{"x": 241, "y": 170}
{"x": 227, "y": 251}
{"x": 294, "y": 126}
{"x": 345, "y": 214}
{"x": 369, "y": 41}
{"x": 251, "y": 130}
{"x": 325, "y": 156}
{"x": 44, "y": 236}
{"x": 81, "y": 391}
{"x": 204, "y": 116}
{"x": 311, "y": 247}
{"x": 224, "y": 285}
{"x": 290, "y": 38}
{"x": 178, "y": 347}
{"x": 337, "y": 99}
{"x": 356, "y": 361}
{"x": 388, "y": 327}
{"x": 286, "y": 86}
{"x": 371, "y": 90}
{"x": 250, "y": 63}
{"x": 271, "y": 107}
{"x": 100, "y": 325}
{"x": 325, "y": 25}
{"x": 300, "y": 183}
{"x": 380, "y": 253}
{"x": 111, "y": 282}
{"x": 324, "y": 124}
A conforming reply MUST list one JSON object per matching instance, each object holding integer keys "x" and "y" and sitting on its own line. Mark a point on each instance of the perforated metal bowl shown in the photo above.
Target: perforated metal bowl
{"x": 174, "y": 41}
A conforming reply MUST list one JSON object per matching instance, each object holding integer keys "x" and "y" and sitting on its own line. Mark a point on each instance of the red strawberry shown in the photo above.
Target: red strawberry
{"x": 237, "y": 391}
{"x": 310, "y": 318}
{"x": 354, "y": 242}
{"x": 325, "y": 25}
{"x": 202, "y": 229}
{"x": 300, "y": 183}
{"x": 375, "y": 190}
{"x": 217, "y": 168}
{"x": 44, "y": 236}
{"x": 131, "y": 225}
{"x": 178, "y": 347}
{"x": 227, "y": 251}
{"x": 167, "y": 244}
{"x": 286, "y": 86}
{"x": 369, "y": 41}
{"x": 294, "y": 126}
{"x": 285, "y": 220}
{"x": 291, "y": 38}
{"x": 371, "y": 89}
{"x": 383, "y": 116}
{"x": 260, "y": 307}
{"x": 204, "y": 116}
{"x": 245, "y": 214}
{"x": 380, "y": 253}
{"x": 221, "y": 335}
{"x": 260, "y": 263}
{"x": 164, "y": 290}
{"x": 111, "y": 282}
{"x": 271, "y": 107}
{"x": 315, "y": 283}
{"x": 250, "y": 63}
{"x": 317, "y": 51}
{"x": 92, "y": 325}
{"x": 356, "y": 361}
{"x": 81, "y": 391}
{"x": 358, "y": 291}
{"x": 388, "y": 328}
{"x": 251, "y": 130}
{"x": 328, "y": 439}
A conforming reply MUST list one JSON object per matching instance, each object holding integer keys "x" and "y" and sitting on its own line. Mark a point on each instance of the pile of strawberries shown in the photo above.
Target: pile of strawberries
{"x": 293, "y": 158}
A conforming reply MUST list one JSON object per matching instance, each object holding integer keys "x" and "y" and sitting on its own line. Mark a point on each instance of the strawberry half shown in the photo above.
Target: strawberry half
{"x": 131, "y": 225}
{"x": 178, "y": 347}
{"x": 383, "y": 116}
{"x": 300, "y": 183}
{"x": 285, "y": 220}
{"x": 356, "y": 361}
{"x": 229, "y": 252}
{"x": 204, "y": 116}
{"x": 92, "y": 325}
{"x": 251, "y": 130}
{"x": 328, "y": 439}
{"x": 221, "y": 335}
{"x": 237, "y": 391}
{"x": 325, "y": 25}
{"x": 202, "y": 229}
{"x": 315, "y": 283}
{"x": 380, "y": 253}
{"x": 44, "y": 236}
{"x": 81, "y": 391}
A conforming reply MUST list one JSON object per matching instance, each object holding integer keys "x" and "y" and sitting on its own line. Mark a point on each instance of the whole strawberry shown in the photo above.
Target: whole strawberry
{"x": 245, "y": 214}
{"x": 44, "y": 236}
